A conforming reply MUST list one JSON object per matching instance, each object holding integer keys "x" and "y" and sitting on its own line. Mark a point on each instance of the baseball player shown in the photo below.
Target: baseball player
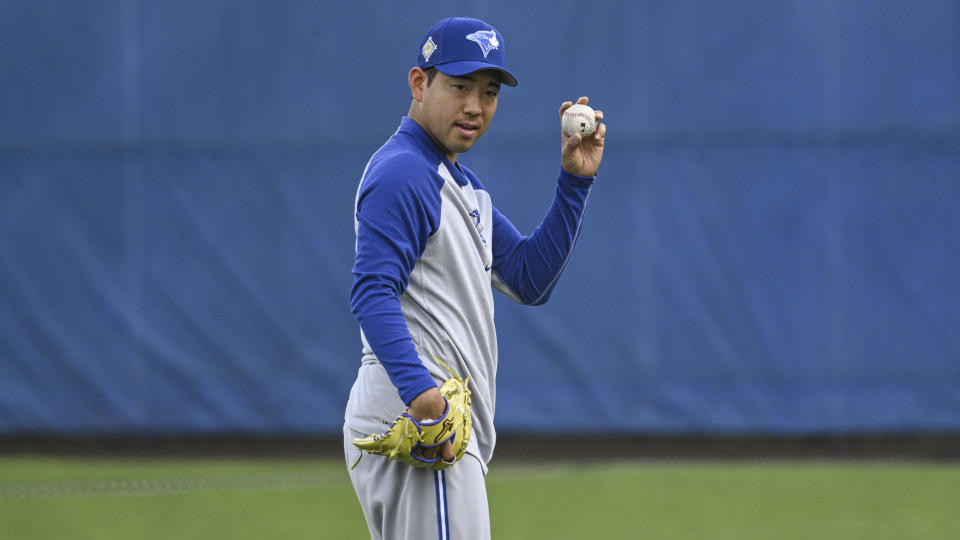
{"x": 430, "y": 248}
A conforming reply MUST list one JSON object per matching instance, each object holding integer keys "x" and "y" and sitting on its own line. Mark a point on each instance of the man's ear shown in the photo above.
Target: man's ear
{"x": 417, "y": 78}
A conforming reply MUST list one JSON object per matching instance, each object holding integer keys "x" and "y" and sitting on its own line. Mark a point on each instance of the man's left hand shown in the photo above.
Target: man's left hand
{"x": 578, "y": 155}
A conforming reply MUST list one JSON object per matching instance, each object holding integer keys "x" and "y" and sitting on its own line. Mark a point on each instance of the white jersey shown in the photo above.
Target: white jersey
{"x": 431, "y": 247}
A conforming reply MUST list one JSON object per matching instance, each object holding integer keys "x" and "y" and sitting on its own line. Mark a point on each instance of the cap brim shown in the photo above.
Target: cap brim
{"x": 466, "y": 67}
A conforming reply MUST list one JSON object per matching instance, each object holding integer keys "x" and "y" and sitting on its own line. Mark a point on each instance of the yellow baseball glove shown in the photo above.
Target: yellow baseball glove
{"x": 407, "y": 439}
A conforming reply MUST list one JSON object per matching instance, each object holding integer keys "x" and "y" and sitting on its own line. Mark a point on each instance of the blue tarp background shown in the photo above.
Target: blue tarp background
{"x": 773, "y": 245}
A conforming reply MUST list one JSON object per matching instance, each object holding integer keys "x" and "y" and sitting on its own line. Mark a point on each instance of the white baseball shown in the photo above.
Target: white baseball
{"x": 579, "y": 119}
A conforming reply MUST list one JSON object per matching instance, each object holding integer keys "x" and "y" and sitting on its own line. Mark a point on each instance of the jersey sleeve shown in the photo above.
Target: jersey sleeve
{"x": 395, "y": 214}
{"x": 529, "y": 266}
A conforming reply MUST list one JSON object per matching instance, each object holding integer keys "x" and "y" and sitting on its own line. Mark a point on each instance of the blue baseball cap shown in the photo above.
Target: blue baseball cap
{"x": 458, "y": 46}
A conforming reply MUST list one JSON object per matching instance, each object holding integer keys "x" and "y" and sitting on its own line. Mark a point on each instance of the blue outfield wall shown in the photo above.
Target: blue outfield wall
{"x": 773, "y": 245}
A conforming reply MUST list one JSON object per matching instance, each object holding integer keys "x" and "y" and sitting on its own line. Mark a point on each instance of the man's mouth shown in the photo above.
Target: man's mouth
{"x": 468, "y": 128}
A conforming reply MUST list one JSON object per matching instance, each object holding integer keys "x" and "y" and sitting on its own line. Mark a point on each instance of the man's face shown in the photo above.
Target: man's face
{"x": 456, "y": 111}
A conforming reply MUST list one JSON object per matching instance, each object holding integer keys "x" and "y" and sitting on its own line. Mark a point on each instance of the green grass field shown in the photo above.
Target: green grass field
{"x": 207, "y": 499}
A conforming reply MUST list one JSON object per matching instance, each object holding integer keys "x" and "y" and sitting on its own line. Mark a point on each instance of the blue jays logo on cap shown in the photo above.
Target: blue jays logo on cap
{"x": 459, "y": 46}
{"x": 486, "y": 39}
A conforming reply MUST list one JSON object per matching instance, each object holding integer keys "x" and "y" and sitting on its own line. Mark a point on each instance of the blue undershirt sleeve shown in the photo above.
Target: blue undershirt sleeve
{"x": 395, "y": 217}
{"x": 531, "y": 265}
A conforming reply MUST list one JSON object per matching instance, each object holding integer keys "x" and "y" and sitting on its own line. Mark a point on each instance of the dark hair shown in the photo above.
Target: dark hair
{"x": 431, "y": 74}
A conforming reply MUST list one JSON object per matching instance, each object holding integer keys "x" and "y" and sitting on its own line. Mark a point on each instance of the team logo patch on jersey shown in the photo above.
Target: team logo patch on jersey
{"x": 486, "y": 39}
{"x": 475, "y": 214}
{"x": 428, "y": 49}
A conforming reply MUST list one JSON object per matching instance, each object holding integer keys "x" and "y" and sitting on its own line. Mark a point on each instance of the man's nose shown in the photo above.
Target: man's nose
{"x": 472, "y": 105}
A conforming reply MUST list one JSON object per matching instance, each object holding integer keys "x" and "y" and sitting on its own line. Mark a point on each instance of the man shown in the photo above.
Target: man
{"x": 430, "y": 248}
